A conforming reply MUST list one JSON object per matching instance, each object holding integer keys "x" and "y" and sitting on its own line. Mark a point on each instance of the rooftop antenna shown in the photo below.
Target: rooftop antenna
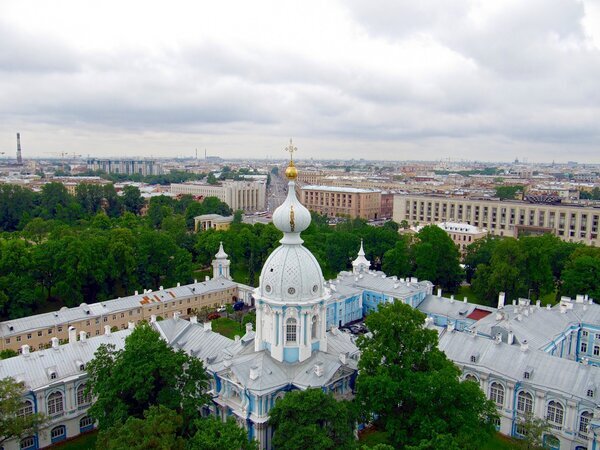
{"x": 19, "y": 158}
{"x": 205, "y": 154}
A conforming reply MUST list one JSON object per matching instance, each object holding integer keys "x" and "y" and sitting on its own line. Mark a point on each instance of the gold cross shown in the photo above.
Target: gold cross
{"x": 290, "y": 148}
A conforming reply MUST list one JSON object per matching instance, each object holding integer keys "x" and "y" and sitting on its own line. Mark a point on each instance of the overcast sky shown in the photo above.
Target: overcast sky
{"x": 393, "y": 79}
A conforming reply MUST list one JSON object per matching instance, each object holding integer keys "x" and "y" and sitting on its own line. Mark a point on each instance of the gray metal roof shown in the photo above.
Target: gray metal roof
{"x": 84, "y": 311}
{"x": 377, "y": 281}
{"x": 235, "y": 359}
{"x": 34, "y": 369}
{"x": 510, "y": 363}
{"x": 454, "y": 309}
{"x": 539, "y": 325}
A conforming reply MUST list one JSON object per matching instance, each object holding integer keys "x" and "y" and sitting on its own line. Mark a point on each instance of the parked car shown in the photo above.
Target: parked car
{"x": 213, "y": 316}
{"x": 221, "y": 308}
{"x": 238, "y": 306}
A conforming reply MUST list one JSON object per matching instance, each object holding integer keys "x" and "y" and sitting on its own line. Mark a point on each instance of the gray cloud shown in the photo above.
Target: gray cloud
{"x": 425, "y": 78}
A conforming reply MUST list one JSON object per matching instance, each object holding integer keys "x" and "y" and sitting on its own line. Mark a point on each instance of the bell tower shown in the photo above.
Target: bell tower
{"x": 291, "y": 300}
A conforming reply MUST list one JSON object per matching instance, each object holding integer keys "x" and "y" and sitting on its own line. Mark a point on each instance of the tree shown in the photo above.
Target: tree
{"x": 479, "y": 252}
{"x": 532, "y": 429}
{"x": 214, "y": 434}
{"x": 437, "y": 258}
{"x": 238, "y": 216}
{"x": 158, "y": 430}
{"x": 132, "y": 199}
{"x": 508, "y": 192}
{"x": 397, "y": 261}
{"x": 14, "y": 424}
{"x": 211, "y": 179}
{"x": 582, "y": 274}
{"x": 147, "y": 372}
{"x": 413, "y": 389}
{"x": 8, "y": 353}
{"x": 312, "y": 419}
{"x": 505, "y": 273}
{"x": 15, "y": 203}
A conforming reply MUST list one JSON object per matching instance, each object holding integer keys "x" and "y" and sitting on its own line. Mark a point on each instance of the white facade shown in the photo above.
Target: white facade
{"x": 292, "y": 298}
{"x": 249, "y": 196}
{"x": 221, "y": 264}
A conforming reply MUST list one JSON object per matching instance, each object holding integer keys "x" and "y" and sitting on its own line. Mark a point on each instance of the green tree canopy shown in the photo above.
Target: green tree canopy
{"x": 312, "y": 419}
{"x": 413, "y": 389}
{"x": 437, "y": 258}
{"x": 157, "y": 430}
{"x": 147, "y": 372}
{"x": 582, "y": 273}
{"x": 508, "y": 192}
{"x": 12, "y": 424}
{"x": 214, "y": 434}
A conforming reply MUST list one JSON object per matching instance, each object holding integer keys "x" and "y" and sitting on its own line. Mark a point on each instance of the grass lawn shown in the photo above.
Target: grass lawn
{"x": 227, "y": 327}
{"x": 84, "y": 442}
{"x": 464, "y": 291}
{"x": 371, "y": 437}
{"x": 501, "y": 442}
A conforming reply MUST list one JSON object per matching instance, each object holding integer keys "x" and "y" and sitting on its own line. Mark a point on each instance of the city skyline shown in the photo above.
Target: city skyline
{"x": 391, "y": 81}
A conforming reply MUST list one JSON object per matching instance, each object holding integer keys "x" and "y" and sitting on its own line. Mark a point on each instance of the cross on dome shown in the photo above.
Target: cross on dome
{"x": 291, "y": 149}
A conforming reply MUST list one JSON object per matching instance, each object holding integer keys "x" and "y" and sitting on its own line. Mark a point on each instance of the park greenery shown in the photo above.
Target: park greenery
{"x": 413, "y": 390}
{"x": 59, "y": 249}
{"x": 531, "y": 267}
{"x": 312, "y": 419}
{"x": 508, "y": 192}
{"x": 593, "y": 195}
{"x": 149, "y": 396}
{"x": 14, "y": 424}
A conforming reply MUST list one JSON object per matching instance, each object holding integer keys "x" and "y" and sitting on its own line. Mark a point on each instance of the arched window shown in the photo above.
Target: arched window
{"x": 314, "y": 327}
{"x": 471, "y": 377}
{"x": 525, "y": 403}
{"x": 26, "y": 409}
{"x": 27, "y": 443}
{"x": 83, "y": 399}
{"x": 584, "y": 421}
{"x": 290, "y": 331}
{"x": 86, "y": 422}
{"x": 555, "y": 413}
{"x": 55, "y": 403}
{"x": 497, "y": 393}
{"x": 58, "y": 433}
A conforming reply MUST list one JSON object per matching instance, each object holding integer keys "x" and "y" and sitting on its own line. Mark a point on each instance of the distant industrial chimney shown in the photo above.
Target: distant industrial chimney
{"x": 19, "y": 158}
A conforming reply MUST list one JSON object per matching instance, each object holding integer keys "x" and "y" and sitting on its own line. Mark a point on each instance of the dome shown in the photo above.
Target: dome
{"x": 291, "y": 273}
{"x": 291, "y": 217}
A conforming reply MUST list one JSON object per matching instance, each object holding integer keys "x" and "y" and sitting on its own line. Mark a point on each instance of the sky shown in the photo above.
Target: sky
{"x": 488, "y": 80}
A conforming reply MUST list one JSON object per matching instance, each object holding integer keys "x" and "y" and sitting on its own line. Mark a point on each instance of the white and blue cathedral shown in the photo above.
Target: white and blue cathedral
{"x": 292, "y": 347}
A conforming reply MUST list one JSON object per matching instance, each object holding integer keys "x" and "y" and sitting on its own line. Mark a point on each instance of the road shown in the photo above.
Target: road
{"x": 276, "y": 193}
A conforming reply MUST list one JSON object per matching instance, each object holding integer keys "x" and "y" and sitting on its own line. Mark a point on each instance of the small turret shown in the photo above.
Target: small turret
{"x": 361, "y": 263}
{"x": 221, "y": 264}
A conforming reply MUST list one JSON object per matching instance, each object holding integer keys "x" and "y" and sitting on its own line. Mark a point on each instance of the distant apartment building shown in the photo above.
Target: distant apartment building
{"x": 126, "y": 166}
{"x": 71, "y": 183}
{"x": 249, "y": 196}
{"x": 571, "y": 223}
{"x": 387, "y": 205}
{"x": 335, "y": 201}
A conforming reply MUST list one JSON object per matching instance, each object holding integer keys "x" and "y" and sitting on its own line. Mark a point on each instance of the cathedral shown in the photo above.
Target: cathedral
{"x": 291, "y": 347}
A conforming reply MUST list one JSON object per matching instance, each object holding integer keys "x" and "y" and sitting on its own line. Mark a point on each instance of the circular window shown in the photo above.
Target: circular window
{"x": 291, "y": 291}
{"x": 315, "y": 288}
{"x": 268, "y": 288}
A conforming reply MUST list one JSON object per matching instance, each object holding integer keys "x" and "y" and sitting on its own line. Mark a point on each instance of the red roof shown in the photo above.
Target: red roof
{"x": 478, "y": 314}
